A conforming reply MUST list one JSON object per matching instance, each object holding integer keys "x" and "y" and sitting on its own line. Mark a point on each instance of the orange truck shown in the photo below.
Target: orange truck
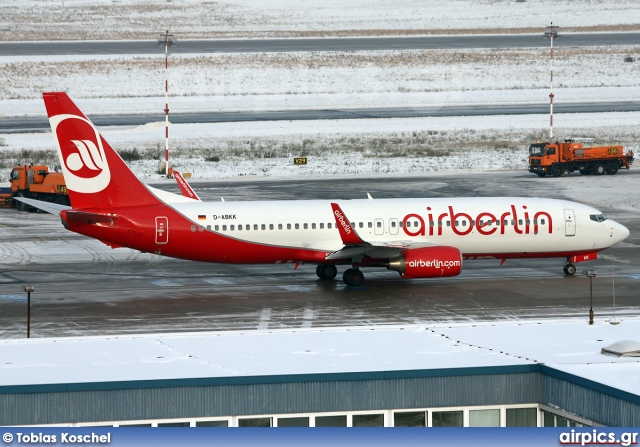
{"x": 37, "y": 182}
{"x": 557, "y": 158}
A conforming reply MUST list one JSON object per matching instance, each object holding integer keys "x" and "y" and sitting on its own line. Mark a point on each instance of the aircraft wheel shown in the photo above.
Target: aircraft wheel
{"x": 326, "y": 271}
{"x": 353, "y": 277}
{"x": 569, "y": 269}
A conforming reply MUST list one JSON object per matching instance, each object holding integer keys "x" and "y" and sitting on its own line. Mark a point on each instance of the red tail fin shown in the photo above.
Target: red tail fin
{"x": 95, "y": 175}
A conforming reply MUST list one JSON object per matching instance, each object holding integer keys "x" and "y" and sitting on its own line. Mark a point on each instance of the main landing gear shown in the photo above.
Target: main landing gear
{"x": 326, "y": 271}
{"x": 569, "y": 269}
{"x": 351, "y": 277}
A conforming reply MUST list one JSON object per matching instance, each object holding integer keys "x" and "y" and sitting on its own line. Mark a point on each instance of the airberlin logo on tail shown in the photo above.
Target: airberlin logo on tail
{"x": 345, "y": 226}
{"x": 81, "y": 152}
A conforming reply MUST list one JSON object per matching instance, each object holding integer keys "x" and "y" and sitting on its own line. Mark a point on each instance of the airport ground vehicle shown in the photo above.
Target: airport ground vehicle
{"x": 558, "y": 158}
{"x": 37, "y": 182}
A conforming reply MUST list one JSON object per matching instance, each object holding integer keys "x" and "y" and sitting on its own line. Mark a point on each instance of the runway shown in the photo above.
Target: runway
{"x": 317, "y": 44}
{"x": 31, "y": 124}
{"x": 125, "y": 292}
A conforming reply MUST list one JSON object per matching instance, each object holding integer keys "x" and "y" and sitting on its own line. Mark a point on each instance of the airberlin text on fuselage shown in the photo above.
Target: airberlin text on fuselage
{"x": 521, "y": 220}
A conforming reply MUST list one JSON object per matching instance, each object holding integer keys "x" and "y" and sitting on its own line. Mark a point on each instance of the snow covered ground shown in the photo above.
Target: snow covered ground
{"x": 340, "y": 80}
{"x": 144, "y": 19}
{"x": 347, "y": 147}
{"x": 318, "y": 80}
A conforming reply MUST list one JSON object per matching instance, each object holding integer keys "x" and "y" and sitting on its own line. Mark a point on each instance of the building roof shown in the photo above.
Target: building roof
{"x": 571, "y": 346}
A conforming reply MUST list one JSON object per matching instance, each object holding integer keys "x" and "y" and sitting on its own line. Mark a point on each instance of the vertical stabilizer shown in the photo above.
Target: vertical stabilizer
{"x": 95, "y": 175}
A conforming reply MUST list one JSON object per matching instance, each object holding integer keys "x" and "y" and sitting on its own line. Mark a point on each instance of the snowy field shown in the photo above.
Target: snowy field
{"x": 144, "y": 19}
{"x": 343, "y": 147}
{"x": 318, "y": 80}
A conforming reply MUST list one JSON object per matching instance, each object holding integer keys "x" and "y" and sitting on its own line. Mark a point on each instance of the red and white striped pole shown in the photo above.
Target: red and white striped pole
{"x": 551, "y": 33}
{"x": 168, "y": 40}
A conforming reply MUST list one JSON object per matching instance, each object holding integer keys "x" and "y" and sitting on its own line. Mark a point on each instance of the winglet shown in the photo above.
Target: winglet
{"x": 185, "y": 188}
{"x": 347, "y": 232}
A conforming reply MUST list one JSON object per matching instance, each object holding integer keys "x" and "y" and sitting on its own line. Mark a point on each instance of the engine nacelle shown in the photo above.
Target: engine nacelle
{"x": 428, "y": 262}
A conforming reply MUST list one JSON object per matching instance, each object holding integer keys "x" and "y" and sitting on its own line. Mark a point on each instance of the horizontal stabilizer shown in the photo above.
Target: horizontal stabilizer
{"x": 51, "y": 208}
{"x": 89, "y": 218}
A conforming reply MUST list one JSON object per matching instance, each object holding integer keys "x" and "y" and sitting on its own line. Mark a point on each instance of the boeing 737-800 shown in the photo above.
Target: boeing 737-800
{"x": 418, "y": 238}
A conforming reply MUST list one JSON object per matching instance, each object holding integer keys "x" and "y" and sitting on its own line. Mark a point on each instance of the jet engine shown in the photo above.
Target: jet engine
{"x": 428, "y": 262}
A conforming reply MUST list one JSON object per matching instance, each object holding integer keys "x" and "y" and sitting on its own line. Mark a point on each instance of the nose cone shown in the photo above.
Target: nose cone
{"x": 621, "y": 233}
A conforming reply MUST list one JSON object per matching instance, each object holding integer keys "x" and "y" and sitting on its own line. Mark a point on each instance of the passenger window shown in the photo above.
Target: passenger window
{"x": 313, "y": 226}
{"x": 432, "y": 223}
{"x": 255, "y": 227}
{"x": 456, "y": 223}
{"x": 464, "y": 223}
{"x": 193, "y": 228}
{"x": 264, "y": 227}
{"x": 370, "y": 225}
{"x": 393, "y": 224}
{"x": 306, "y": 226}
{"x": 379, "y": 224}
{"x": 322, "y": 226}
{"x": 217, "y": 228}
{"x": 239, "y": 227}
{"x": 224, "y": 228}
{"x": 209, "y": 227}
{"x": 519, "y": 221}
{"x": 329, "y": 226}
{"x": 279, "y": 226}
{"x": 288, "y": 226}
{"x": 297, "y": 226}
{"x": 231, "y": 227}
{"x": 271, "y": 226}
{"x": 448, "y": 223}
{"x": 542, "y": 221}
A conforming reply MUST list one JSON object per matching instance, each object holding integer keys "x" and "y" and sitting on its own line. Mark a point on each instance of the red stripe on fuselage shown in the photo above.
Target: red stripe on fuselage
{"x": 137, "y": 230}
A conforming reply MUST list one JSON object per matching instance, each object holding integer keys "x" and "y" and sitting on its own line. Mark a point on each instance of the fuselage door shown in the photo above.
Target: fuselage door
{"x": 162, "y": 230}
{"x": 393, "y": 226}
{"x": 569, "y": 223}
{"x": 378, "y": 226}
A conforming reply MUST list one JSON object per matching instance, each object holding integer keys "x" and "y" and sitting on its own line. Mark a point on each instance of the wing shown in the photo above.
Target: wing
{"x": 356, "y": 247}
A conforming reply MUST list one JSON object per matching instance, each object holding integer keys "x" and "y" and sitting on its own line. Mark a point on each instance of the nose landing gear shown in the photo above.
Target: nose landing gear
{"x": 569, "y": 269}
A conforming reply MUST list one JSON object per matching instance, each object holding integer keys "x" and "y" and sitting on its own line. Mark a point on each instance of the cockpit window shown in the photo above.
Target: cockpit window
{"x": 598, "y": 217}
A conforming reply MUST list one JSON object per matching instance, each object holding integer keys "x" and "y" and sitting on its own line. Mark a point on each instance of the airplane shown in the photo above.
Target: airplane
{"x": 418, "y": 238}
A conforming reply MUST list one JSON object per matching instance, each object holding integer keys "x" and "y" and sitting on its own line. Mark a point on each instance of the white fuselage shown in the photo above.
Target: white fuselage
{"x": 476, "y": 226}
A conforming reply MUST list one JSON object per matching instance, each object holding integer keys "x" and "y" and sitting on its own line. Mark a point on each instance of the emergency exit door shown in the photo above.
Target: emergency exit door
{"x": 162, "y": 230}
{"x": 569, "y": 223}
